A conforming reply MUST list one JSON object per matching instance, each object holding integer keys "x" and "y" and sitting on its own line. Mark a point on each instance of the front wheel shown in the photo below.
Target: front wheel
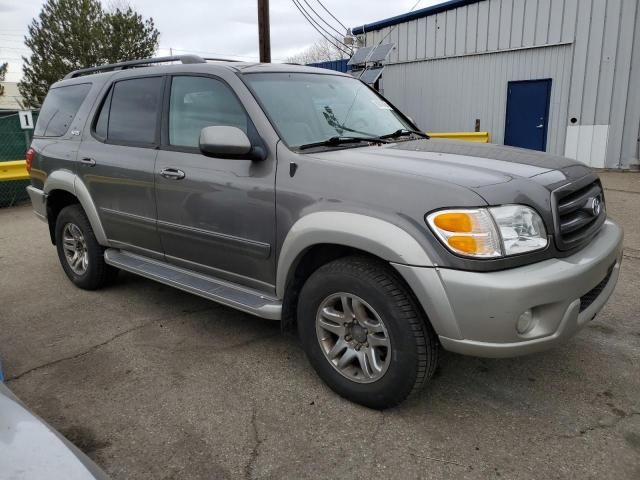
{"x": 364, "y": 334}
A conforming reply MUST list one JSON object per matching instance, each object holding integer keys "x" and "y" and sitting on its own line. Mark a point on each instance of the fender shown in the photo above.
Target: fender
{"x": 70, "y": 182}
{"x": 373, "y": 235}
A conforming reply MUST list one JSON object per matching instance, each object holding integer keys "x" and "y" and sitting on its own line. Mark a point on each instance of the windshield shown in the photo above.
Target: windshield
{"x": 308, "y": 108}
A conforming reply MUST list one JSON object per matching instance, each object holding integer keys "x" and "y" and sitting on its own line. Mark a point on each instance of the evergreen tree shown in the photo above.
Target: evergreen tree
{"x": 73, "y": 34}
{"x": 128, "y": 36}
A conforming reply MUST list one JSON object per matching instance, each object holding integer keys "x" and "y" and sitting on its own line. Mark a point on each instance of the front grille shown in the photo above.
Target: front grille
{"x": 576, "y": 222}
{"x": 588, "y": 298}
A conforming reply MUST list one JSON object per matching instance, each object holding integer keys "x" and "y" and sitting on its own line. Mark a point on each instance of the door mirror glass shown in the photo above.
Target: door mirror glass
{"x": 224, "y": 141}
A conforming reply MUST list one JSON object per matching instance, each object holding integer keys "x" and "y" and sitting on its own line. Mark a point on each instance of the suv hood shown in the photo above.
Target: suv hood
{"x": 471, "y": 165}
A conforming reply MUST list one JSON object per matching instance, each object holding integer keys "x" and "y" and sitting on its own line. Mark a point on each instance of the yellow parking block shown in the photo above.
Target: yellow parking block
{"x": 13, "y": 170}
{"x": 478, "y": 137}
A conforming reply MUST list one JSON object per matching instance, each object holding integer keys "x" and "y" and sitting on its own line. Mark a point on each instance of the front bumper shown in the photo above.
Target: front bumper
{"x": 476, "y": 313}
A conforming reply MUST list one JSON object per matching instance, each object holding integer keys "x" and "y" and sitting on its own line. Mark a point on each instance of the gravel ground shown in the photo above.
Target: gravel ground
{"x": 153, "y": 383}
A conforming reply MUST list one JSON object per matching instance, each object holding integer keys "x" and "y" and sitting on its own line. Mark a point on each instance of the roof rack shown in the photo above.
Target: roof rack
{"x": 186, "y": 59}
{"x": 213, "y": 59}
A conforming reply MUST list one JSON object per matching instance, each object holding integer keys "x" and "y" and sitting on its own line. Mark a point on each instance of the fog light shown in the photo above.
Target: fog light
{"x": 525, "y": 322}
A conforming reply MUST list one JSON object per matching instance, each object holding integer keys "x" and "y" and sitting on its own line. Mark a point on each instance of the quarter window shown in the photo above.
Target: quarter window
{"x": 59, "y": 109}
{"x": 198, "y": 102}
{"x": 130, "y": 112}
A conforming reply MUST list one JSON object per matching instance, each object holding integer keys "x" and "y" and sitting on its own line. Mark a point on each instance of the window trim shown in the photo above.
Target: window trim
{"x": 252, "y": 132}
{"x": 66, "y": 133}
{"x": 108, "y": 96}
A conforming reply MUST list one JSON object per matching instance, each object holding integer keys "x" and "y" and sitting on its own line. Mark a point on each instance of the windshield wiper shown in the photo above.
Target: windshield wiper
{"x": 341, "y": 140}
{"x": 404, "y": 132}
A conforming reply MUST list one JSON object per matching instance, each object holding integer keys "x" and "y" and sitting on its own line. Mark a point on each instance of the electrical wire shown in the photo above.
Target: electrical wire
{"x": 323, "y": 20}
{"x": 332, "y": 16}
{"x": 314, "y": 23}
{"x": 333, "y": 41}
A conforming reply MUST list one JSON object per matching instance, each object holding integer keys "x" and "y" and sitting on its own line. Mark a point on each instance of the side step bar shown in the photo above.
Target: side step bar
{"x": 240, "y": 298}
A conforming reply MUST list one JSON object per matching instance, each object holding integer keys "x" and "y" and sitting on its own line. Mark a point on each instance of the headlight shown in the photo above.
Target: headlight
{"x": 489, "y": 232}
{"x": 521, "y": 228}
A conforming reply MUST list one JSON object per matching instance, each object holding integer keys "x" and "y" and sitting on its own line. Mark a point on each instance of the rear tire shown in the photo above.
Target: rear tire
{"x": 377, "y": 350}
{"x": 80, "y": 254}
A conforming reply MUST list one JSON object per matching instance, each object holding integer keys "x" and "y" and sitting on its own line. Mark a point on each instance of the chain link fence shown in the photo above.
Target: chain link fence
{"x": 14, "y": 142}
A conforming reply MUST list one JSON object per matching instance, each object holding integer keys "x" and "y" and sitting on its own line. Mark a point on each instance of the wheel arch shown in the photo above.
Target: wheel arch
{"x": 370, "y": 235}
{"x": 322, "y": 237}
{"x": 63, "y": 188}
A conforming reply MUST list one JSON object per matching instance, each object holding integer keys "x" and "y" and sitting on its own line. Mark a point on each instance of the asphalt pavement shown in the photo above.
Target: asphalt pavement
{"x": 154, "y": 383}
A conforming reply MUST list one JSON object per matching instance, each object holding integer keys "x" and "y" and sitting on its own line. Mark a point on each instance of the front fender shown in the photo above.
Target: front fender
{"x": 373, "y": 235}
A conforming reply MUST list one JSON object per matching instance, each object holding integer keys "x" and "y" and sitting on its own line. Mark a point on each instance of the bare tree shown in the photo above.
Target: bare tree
{"x": 320, "y": 51}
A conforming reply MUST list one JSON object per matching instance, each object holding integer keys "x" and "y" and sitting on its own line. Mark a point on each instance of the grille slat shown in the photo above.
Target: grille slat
{"x": 576, "y": 200}
{"x": 575, "y": 221}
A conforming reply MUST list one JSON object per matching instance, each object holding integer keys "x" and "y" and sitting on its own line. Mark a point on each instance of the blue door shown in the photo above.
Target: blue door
{"x": 528, "y": 114}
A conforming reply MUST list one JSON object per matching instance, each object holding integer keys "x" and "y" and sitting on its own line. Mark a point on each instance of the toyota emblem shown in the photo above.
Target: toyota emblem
{"x": 596, "y": 206}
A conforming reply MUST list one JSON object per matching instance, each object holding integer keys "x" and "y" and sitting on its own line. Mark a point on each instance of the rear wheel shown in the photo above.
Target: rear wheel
{"x": 364, "y": 334}
{"x": 80, "y": 254}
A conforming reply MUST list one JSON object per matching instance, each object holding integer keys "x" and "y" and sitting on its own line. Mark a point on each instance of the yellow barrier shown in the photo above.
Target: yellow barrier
{"x": 478, "y": 137}
{"x": 14, "y": 170}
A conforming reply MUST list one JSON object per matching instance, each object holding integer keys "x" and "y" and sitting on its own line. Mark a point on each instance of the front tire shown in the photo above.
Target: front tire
{"x": 364, "y": 334}
{"x": 80, "y": 254}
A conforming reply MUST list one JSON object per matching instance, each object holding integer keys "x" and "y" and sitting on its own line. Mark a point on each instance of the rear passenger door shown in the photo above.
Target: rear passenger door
{"x": 117, "y": 158}
{"x": 218, "y": 217}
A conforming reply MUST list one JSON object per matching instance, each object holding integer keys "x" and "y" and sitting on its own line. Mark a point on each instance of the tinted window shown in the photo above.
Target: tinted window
{"x": 198, "y": 102}
{"x": 59, "y": 109}
{"x": 133, "y": 114}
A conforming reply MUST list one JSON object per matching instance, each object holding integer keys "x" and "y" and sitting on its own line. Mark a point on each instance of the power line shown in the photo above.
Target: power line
{"x": 333, "y": 41}
{"x": 323, "y": 20}
{"x": 316, "y": 25}
{"x": 326, "y": 10}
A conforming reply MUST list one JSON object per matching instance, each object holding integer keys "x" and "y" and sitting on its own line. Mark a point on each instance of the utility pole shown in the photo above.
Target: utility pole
{"x": 264, "y": 36}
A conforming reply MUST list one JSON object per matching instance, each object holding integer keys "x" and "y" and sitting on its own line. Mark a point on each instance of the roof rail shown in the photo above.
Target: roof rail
{"x": 135, "y": 63}
{"x": 212, "y": 59}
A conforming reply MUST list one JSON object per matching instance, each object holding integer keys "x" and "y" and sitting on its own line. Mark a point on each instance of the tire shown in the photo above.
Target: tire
{"x": 390, "y": 373}
{"x": 72, "y": 226}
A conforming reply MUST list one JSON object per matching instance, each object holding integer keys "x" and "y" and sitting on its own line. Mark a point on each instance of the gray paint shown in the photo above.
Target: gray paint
{"x": 233, "y": 230}
{"x": 593, "y": 73}
{"x": 33, "y": 449}
{"x": 552, "y": 292}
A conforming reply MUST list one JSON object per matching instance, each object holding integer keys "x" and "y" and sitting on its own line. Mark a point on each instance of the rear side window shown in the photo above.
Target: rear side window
{"x": 59, "y": 109}
{"x": 130, "y": 111}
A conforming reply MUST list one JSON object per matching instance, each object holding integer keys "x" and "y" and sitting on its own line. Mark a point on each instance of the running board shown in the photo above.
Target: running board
{"x": 240, "y": 298}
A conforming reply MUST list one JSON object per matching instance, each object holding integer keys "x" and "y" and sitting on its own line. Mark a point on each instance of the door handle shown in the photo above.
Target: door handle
{"x": 540, "y": 126}
{"x": 88, "y": 161}
{"x": 172, "y": 173}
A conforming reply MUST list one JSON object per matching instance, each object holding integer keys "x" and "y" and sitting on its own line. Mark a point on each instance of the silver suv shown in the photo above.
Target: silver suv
{"x": 302, "y": 195}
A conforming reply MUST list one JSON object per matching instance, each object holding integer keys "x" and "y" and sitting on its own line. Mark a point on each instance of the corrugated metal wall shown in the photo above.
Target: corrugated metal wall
{"x": 597, "y": 76}
{"x": 452, "y": 94}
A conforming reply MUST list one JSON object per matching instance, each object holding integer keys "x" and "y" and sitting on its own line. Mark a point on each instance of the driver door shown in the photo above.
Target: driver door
{"x": 215, "y": 215}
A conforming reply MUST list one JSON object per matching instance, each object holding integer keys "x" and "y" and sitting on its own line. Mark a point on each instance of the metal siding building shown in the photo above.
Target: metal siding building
{"x": 453, "y": 63}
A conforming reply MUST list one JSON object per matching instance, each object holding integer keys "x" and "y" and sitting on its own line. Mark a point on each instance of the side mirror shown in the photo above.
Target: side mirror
{"x": 228, "y": 142}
